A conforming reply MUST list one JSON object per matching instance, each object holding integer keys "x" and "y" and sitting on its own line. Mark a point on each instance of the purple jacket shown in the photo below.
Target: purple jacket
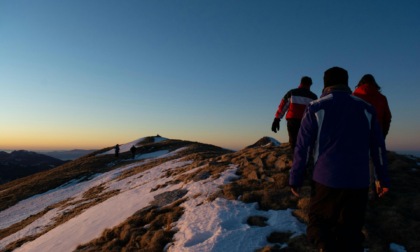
{"x": 340, "y": 131}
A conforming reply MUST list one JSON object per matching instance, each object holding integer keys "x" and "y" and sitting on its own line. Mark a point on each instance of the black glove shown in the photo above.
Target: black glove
{"x": 276, "y": 125}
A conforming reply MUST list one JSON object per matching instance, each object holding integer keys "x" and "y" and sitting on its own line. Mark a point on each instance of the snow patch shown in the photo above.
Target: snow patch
{"x": 274, "y": 141}
{"x": 218, "y": 225}
{"x": 396, "y": 248}
{"x": 126, "y": 147}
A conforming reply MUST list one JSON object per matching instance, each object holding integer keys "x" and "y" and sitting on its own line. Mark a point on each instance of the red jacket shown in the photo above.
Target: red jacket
{"x": 372, "y": 95}
{"x": 295, "y": 102}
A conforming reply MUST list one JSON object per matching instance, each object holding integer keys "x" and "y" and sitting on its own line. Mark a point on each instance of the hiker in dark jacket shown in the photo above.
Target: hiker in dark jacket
{"x": 370, "y": 91}
{"x": 117, "y": 150}
{"x": 294, "y": 103}
{"x": 340, "y": 130}
{"x": 133, "y": 151}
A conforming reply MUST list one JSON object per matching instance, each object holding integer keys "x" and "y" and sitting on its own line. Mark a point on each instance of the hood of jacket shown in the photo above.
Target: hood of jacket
{"x": 336, "y": 88}
{"x": 308, "y": 87}
{"x": 366, "y": 89}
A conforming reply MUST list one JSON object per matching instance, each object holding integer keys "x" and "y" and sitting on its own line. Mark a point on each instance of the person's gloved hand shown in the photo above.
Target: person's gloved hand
{"x": 381, "y": 190}
{"x": 295, "y": 191}
{"x": 276, "y": 125}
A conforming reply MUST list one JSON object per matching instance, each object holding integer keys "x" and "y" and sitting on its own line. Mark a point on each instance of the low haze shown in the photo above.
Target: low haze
{"x": 208, "y": 71}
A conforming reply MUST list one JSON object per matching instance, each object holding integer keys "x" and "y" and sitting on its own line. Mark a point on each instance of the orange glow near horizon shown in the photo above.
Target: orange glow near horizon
{"x": 49, "y": 144}
{"x": 57, "y": 141}
{"x": 63, "y": 140}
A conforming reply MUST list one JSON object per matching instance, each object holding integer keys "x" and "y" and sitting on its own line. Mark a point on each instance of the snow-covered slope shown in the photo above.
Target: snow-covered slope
{"x": 211, "y": 220}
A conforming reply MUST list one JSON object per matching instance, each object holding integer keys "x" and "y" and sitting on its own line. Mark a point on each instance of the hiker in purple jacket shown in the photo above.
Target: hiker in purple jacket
{"x": 340, "y": 131}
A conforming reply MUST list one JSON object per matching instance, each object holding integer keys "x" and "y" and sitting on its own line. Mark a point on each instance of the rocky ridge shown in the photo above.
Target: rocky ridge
{"x": 262, "y": 177}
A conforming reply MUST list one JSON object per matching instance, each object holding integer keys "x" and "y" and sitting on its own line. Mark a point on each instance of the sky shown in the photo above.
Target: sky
{"x": 218, "y": 225}
{"x": 208, "y": 71}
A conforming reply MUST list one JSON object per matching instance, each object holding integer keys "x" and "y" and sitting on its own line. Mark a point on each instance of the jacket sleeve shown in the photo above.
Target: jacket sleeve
{"x": 304, "y": 147}
{"x": 387, "y": 118}
{"x": 378, "y": 153}
{"x": 284, "y": 106}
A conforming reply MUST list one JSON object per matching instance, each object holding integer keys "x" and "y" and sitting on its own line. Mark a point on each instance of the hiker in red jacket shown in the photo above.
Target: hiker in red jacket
{"x": 294, "y": 103}
{"x": 370, "y": 91}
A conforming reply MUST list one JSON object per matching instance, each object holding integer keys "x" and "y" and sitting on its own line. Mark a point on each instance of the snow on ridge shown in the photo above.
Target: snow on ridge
{"x": 159, "y": 139}
{"x": 73, "y": 189}
{"x": 39, "y": 202}
{"x": 135, "y": 193}
{"x": 218, "y": 225}
{"x": 274, "y": 141}
{"x": 126, "y": 147}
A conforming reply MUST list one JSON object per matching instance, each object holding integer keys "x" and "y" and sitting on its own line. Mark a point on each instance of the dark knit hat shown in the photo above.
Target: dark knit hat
{"x": 306, "y": 81}
{"x": 336, "y": 76}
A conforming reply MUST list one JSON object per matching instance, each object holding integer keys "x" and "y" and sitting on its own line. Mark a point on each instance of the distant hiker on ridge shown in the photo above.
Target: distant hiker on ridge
{"x": 294, "y": 102}
{"x": 117, "y": 150}
{"x": 133, "y": 151}
{"x": 370, "y": 91}
{"x": 343, "y": 131}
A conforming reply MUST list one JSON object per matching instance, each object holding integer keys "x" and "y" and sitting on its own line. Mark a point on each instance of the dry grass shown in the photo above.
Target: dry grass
{"x": 193, "y": 151}
{"x": 89, "y": 165}
{"x": 149, "y": 229}
{"x": 20, "y": 225}
{"x": 91, "y": 197}
{"x": 85, "y": 167}
{"x": 263, "y": 178}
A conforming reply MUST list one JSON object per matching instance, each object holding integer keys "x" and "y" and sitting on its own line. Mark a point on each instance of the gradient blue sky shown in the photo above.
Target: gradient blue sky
{"x": 90, "y": 74}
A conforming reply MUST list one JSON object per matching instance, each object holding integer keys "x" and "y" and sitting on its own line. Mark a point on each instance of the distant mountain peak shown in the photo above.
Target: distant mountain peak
{"x": 68, "y": 154}
{"x": 137, "y": 143}
{"x": 265, "y": 141}
{"x": 149, "y": 139}
{"x": 23, "y": 163}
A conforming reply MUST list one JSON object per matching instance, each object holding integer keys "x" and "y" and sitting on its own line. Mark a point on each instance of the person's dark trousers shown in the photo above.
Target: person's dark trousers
{"x": 293, "y": 126}
{"x": 336, "y": 218}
